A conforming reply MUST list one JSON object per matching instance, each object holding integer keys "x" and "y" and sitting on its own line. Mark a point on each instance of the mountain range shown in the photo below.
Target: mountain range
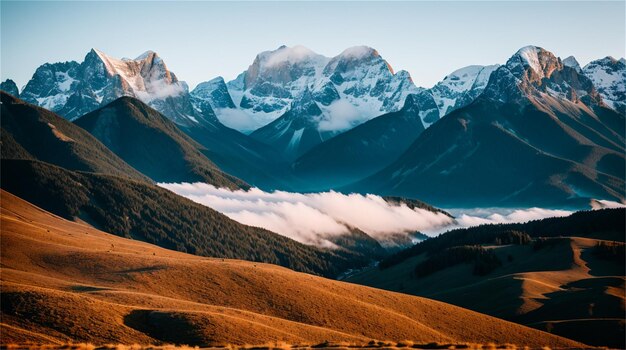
{"x": 350, "y": 123}
{"x": 96, "y": 248}
{"x": 539, "y": 133}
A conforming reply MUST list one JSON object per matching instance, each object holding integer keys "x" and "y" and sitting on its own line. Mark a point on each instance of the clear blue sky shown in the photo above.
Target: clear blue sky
{"x": 201, "y": 40}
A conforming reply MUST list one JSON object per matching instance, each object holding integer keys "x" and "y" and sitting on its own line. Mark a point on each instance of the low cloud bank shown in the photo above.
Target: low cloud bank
{"x": 597, "y": 204}
{"x": 475, "y": 217}
{"x": 314, "y": 218}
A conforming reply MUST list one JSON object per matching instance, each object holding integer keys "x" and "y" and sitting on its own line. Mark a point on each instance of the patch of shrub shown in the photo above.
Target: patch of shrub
{"x": 611, "y": 251}
{"x": 512, "y": 237}
{"x": 484, "y": 260}
{"x": 547, "y": 242}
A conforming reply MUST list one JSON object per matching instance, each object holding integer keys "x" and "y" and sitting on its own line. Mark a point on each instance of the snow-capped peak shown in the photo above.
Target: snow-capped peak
{"x": 609, "y": 78}
{"x": 540, "y": 61}
{"x": 462, "y": 79}
{"x": 215, "y": 82}
{"x": 404, "y": 75}
{"x": 358, "y": 82}
{"x": 145, "y": 55}
{"x": 572, "y": 63}
{"x": 530, "y": 58}
{"x": 358, "y": 52}
{"x": 461, "y": 87}
{"x": 72, "y": 89}
{"x": 289, "y": 55}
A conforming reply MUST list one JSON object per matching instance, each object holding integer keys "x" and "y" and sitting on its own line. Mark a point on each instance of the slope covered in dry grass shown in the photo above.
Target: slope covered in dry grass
{"x": 63, "y": 281}
{"x": 559, "y": 284}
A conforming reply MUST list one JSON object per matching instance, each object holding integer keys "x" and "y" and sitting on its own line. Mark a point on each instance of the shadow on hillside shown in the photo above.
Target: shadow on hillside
{"x": 164, "y": 327}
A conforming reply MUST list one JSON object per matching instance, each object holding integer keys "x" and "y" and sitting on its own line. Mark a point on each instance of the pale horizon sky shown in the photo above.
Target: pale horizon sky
{"x": 201, "y": 40}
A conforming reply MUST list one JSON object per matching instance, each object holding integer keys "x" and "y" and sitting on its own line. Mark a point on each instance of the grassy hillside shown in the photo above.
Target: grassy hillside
{"x": 607, "y": 224}
{"x": 63, "y": 281}
{"x": 535, "y": 274}
{"x": 152, "y": 144}
{"x": 145, "y": 212}
{"x": 31, "y": 132}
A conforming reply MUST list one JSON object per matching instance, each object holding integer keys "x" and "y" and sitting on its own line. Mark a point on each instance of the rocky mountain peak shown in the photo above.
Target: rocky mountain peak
{"x": 10, "y": 87}
{"x": 572, "y": 63}
{"x": 304, "y": 105}
{"x": 609, "y": 78}
{"x": 535, "y": 62}
{"x": 284, "y": 65}
{"x": 73, "y": 89}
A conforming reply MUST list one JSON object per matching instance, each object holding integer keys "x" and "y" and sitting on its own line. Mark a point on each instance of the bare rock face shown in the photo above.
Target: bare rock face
{"x": 73, "y": 89}
{"x": 10, "y": 87}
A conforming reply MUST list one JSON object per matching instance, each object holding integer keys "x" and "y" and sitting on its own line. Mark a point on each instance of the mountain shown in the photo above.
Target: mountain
{"x": 296, "y": 131}
{"x": 213, "y": 96}
{"x": 64, "y": 282}
{"x": 538, "y": 135}
{"x": 214, "y": 92}
{"x": 362, "y": 151}
{"x": 572, "y": 62}
{"x": 609, "y": 78}
{"x": 72, "y": 89}
{"x": 461, "y": 87}
{"x": 350, "y": 88}
{"x": 10, "y": 87}
{"x": 31, "y": 132}
{"x": 152, "y": 144}
{"x": 239, "y": 155}
{"x": 563, "y": 275}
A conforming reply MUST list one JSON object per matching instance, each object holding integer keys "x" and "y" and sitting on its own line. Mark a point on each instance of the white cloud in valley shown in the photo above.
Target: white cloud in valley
{"x": 475, "y": 217}
{"x": 237, "y": 119}
{"x": 312, "y": 218}
{"x": 344, "y": 116}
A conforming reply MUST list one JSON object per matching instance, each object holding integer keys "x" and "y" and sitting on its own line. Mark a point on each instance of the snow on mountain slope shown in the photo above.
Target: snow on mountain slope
{"x": 461, "y": 87}
{"x": 213, "y": 96}
{"x": 572, "y": 62}
{"x": 297, "y": 130}
{"x": 609, "y": 77}
{"x": 539, "y": 133}
{"x": 215, "y": 92}
{"x": 350, "y": 88}
{"x": 266, "y": 89}
{"x": 73, "y": 89}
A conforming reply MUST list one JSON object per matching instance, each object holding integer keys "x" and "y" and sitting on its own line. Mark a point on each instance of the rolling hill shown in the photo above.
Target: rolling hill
{"x": 561, "y": 275}
{"x": 31, "y": 132}
{"x": 64, "y": 281}
{"x": 145, "y": 212}
{"x": 152, "y": 144}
